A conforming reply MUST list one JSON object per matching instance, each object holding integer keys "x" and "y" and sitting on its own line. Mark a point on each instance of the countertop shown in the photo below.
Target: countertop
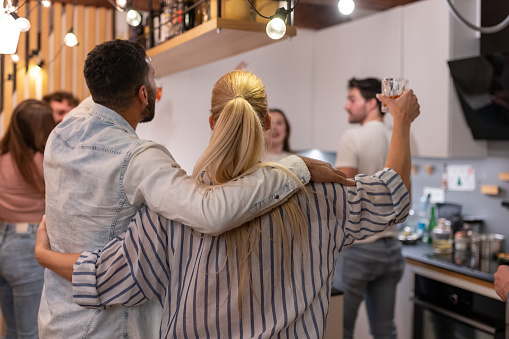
{"x": 483, "y": 269}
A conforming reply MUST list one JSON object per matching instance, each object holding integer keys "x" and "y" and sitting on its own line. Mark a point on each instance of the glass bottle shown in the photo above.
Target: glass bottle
{"x": 432, "y": 222}
{"x": 442, "y": 237}
{"x": 423, "y": 220}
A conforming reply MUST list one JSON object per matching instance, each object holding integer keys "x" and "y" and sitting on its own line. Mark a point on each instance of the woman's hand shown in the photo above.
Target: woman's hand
{"x": 60, "y": 263}
{"x": 42, "y": 245}
{"x": 404, "y": 108}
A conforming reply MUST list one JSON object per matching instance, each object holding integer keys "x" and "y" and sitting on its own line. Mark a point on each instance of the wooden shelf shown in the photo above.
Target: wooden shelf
{"x": 216, "y": 39}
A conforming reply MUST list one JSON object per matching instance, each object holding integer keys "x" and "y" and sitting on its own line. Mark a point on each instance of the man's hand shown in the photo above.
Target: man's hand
{"x": 42, "y": 244}
{"x": 323, "y": 172}
{"x": 502, "y": 281}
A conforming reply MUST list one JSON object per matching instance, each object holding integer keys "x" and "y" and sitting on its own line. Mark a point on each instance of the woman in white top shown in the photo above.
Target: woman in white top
{"x": 270, "y": 277}
{"x": 277, "y": 138}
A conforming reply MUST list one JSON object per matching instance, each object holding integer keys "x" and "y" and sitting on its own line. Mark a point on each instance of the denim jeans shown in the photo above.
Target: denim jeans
{"x": 21, "y": 280}
{"x": 370, "y": 271}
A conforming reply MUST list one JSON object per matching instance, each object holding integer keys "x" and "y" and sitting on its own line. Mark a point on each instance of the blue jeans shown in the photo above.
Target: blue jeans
{"x": 370, "y": 271}
{"x": 21, "y": 280}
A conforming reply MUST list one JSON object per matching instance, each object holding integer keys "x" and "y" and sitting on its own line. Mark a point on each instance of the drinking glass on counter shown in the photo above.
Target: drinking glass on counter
{"x": 393, "y": 88}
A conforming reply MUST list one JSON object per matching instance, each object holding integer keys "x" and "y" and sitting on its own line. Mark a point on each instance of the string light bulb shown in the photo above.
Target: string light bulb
{"x": 70, "y": 39}
{"x": 36, "y": 69}
{"x": 346, "y": 7}
{"x": 15, "y": 58}
{"x": 23, "y": 23}
{"x": 133, "y": 18}
{"x": 46, "y": 3}
{"x": 276, "y": 28}
{"x": 121, "y": 3}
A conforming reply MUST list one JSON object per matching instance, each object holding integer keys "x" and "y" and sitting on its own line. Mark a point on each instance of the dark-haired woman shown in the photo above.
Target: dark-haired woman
{"x": 21, "y": 209}
{"x": 277, "y": 138}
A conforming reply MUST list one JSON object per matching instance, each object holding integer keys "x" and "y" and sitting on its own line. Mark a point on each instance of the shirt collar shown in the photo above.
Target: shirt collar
{"x": 110, "y": 115}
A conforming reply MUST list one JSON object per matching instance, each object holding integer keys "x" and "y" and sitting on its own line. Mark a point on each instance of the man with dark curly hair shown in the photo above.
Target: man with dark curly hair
{"x": 98, "y": 172}
{"x": 61, "y": 103}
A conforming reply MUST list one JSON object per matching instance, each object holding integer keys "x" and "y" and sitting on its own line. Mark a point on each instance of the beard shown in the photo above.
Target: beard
{"x": 149, "y": 111}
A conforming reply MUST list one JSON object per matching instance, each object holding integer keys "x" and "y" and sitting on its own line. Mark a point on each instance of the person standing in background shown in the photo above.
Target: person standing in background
{"x": 61, "y": 103}
{"x": 277, "y": 138}
{"x": 371, "y": 268}
{"x": 21, "y": 209}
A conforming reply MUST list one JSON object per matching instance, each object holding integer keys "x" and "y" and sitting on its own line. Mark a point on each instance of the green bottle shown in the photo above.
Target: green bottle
{"x": 432, "y": 223}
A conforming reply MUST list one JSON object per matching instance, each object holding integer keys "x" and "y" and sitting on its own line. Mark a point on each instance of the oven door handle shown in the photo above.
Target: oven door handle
{"x": 463, "y": 319}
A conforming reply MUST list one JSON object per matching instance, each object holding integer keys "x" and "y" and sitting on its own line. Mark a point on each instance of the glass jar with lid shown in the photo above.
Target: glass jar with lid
{"x": 441, "y": 237}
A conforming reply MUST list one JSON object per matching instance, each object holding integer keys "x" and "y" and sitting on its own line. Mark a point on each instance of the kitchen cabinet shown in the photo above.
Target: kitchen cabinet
{"x": 213, "y": 40}
{"x": 431, "y": 38}
{"x": 413, "y": 41}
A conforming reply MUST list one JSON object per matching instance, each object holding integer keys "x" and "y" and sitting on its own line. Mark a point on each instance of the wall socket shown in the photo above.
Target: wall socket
{"x": 437, "y": 195}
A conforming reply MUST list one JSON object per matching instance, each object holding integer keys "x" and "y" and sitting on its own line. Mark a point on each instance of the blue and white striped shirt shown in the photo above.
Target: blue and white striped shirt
{"x": 187, "y": 271}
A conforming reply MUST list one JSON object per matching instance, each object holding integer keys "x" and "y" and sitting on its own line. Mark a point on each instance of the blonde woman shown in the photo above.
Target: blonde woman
{"x": 271, "y": 276}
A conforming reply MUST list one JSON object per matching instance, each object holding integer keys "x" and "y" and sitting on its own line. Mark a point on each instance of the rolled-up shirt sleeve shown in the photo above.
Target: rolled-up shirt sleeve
{"x": 376, "y": 202}
{"x": 154, "y": 177}
{"x": 130, "y": 270}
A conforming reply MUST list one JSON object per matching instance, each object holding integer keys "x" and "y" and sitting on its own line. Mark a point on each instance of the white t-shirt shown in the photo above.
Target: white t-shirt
{"x": 365, "y": 148}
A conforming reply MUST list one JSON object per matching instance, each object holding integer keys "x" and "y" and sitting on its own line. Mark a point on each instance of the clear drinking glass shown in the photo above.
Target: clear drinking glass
{"x": 393, "y": 88}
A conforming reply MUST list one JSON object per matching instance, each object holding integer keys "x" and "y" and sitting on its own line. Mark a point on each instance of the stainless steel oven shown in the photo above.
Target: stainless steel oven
{"x": 443, "y": 311}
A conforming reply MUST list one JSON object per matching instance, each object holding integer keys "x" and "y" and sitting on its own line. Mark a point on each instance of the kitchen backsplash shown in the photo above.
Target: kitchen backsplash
{"x": 489, "y": 207}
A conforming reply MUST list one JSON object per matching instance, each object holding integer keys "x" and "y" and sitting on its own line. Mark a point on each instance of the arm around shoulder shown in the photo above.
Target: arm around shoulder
{"x": 154, "y": 177}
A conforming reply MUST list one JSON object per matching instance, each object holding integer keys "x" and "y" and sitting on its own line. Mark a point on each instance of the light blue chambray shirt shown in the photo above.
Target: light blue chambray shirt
{"x": 98, "y": 173}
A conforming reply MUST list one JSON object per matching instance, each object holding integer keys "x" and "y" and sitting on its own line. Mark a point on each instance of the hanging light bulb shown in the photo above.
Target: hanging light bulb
{"x": 121, "y": 3}
{"x": 35, "y": 70}
{"x": 15, "y": 58}
{"x": 133, "y": 18}
{"x": 10, "y": 34}
{"x": 346, "y": 7}
{"x": 46, "y": 3}
{"x": 23, "y": 24}
{"x": 70, "y": 39}
{"x": 276, "y": 28}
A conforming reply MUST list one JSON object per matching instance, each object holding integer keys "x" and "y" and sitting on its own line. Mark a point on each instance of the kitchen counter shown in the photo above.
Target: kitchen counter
{"x": 423, "y": 252}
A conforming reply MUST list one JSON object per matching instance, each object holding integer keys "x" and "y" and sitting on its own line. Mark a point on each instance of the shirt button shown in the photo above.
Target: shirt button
{"x": 302, "y": 180}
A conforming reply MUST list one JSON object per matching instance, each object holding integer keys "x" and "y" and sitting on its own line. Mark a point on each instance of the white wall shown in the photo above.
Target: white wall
{"x": 181, "y": 122}
{"x": 340, "y": 57}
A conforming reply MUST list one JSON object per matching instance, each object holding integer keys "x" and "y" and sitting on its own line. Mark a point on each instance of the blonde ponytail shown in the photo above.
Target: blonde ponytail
{"x": 239, "y": 110}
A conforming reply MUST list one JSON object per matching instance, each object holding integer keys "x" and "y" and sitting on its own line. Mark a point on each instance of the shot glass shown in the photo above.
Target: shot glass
{"x": 393, "y": 88}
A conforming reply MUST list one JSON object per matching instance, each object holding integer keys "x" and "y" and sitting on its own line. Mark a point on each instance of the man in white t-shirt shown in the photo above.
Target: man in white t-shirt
{"x": 370, "y": 269}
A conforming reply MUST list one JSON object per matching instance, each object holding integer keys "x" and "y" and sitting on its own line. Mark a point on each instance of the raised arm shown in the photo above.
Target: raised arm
{"x": 403, "y": 110}
{"x": 153, "y": 176}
